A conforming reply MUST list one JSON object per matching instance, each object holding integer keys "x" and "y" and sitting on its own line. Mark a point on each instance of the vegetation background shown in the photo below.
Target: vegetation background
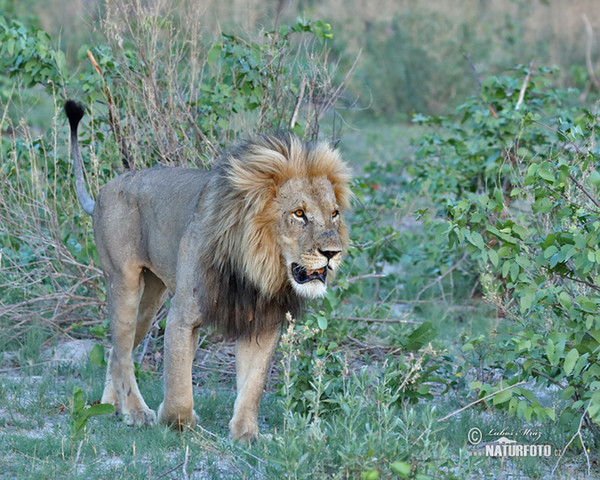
{"x": 470, "y": 298}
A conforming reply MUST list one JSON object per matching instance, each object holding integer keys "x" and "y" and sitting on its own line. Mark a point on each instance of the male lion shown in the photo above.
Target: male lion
{"x": 239, "y": 246}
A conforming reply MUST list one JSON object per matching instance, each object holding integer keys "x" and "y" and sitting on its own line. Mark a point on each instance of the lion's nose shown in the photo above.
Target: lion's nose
{"x": 329, "y": 254}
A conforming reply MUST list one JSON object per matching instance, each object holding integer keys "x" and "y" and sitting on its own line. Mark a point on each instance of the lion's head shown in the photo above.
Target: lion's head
{"x": 292, "y": 196}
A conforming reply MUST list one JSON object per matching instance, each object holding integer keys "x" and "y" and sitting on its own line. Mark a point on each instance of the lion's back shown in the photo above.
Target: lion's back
{"x": 143, "y": 214}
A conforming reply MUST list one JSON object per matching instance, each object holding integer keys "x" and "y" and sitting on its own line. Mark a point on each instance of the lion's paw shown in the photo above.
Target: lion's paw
{"x": 243, "y": 430}
{"x": 143, "y": 417}
{"x": 177, "y": 420}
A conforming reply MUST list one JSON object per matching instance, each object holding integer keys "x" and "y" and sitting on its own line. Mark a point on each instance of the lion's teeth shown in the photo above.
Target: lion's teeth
{"x": 318, "y": 271}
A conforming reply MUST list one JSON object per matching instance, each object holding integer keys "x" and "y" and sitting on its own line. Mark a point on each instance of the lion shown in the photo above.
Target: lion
{"x": 239, "y": 246}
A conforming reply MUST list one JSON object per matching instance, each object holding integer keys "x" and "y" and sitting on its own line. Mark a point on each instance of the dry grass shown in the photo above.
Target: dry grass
{"x": 41, "y": 277}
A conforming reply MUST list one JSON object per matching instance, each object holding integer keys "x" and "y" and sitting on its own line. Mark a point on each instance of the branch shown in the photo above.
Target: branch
{"x": 583, "y": 189}
{"x": 481, "y": 400}
{"x": 185, "y": 462}
{"x": 475, "y": 74}
{"x": 580, "y": 152}
{"x": 298, "y": 103}
{"x": 382, "y": 320}
{"x": 439, "y": 279}
{"x": 366, "y": 275}
{"x": 112, "y": 118}
{"x": 524, "y": 87}
{"x": 341, "y": 88}
{"x": 575, "y": 435}
{"x": 576, "y": 280}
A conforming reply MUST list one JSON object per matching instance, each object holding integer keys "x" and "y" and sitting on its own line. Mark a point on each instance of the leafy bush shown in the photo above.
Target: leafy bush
{"x": 515, "y": 175}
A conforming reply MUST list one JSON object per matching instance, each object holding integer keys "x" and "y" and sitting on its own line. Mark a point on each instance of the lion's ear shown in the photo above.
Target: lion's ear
{"x": 256, "y": 175}
{"x": 324, "y": 161}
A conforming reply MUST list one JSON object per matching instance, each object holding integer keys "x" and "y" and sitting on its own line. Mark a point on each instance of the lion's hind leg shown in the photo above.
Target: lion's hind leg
{"x": 131, "y": 305}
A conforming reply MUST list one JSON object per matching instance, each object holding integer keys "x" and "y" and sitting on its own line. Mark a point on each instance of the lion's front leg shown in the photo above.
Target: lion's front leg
{"x": 181, "y": 341}
{"x": 253, "y": 359}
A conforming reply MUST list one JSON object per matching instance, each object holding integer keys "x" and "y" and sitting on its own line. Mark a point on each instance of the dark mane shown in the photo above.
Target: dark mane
{"x": 237, "y": 309}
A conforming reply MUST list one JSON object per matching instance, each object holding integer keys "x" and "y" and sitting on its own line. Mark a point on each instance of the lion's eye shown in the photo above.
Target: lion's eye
{"x": 300, "y": 213}
{"x": 335, "y": 214}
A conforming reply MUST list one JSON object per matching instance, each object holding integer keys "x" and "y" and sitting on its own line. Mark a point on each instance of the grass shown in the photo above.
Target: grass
{"x": 35, "y": 440}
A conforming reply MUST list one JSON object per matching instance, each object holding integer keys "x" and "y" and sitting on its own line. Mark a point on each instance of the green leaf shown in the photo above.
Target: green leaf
{"x": 550, "y": 350}
{"x": 97, "y": 355}
{"x": 565, "y": 299}
{"x": 546, "y": 174}
{"x": 322, "y": 322}
{"x": 502, "y": 397}
{"x": 476, "y": 239}
{"x": 100, "y": 409}
{"x": 521, "y": 232}
{"x": 514, "y": 272}
{"x": 493, "y": 256}
{"x": 372, "y": 474}
{"x": 214, "y": 54}
{"x": 594, "y": 178}
{"x": 423, "y": 334}
{"x": 401, "y": 468}
{"x": 581, "y": 363}
{"x": 568, "y": 392}
{"x": 527, "y": 300}
{"x": 523, "y": 261}
{"x": 570, "y": 360}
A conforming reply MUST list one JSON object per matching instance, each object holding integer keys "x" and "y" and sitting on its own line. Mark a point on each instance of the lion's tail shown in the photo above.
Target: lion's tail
{"x": 75, "y": 113}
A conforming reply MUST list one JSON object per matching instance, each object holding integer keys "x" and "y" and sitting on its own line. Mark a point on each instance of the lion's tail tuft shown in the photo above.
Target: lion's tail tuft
{"x": 75, "y": 112}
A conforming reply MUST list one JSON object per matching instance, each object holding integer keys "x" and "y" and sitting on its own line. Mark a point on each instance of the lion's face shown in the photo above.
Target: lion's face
{"x": 309, "y": 233}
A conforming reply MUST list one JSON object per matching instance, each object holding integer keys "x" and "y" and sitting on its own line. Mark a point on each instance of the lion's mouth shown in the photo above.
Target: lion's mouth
{"x": 302, "y": 275}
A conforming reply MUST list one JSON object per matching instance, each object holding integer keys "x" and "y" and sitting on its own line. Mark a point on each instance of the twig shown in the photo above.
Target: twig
{"x": 467, "y": 57}
{"x": 298, "y": 103}
{"x": 583, "y": 189}
{"x": 588, "y": 50}
{"x": 439, "y": 279}
{"x": 170, "y": 470}
{"x": 524, "y": 87}
{"x": 185, "y": 462}
{"x": 366, "y": 275}
{"x": 580, "y": 152}
{"x": 577, "y": 434}
{"x": 382, "y": 320}
{"x": 372, "y": 243}
{"x": 341, "y": 87}
{"x": 547, "y": 377}
{"x": 480, "y": 400}
{"x": 112, "y": 118}
{"x": 147, "y": 338}
{"x": 577, "y": 280}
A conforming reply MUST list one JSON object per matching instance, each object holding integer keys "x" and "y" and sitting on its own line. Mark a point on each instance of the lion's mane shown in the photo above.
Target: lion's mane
{"x": 243, "y": 278}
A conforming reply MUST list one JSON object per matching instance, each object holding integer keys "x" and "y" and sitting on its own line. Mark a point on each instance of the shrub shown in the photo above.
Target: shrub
{"x": 515, "y": 175}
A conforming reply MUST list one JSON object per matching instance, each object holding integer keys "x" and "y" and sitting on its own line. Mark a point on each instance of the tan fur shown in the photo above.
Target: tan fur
{"x": 224, "y": 242}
